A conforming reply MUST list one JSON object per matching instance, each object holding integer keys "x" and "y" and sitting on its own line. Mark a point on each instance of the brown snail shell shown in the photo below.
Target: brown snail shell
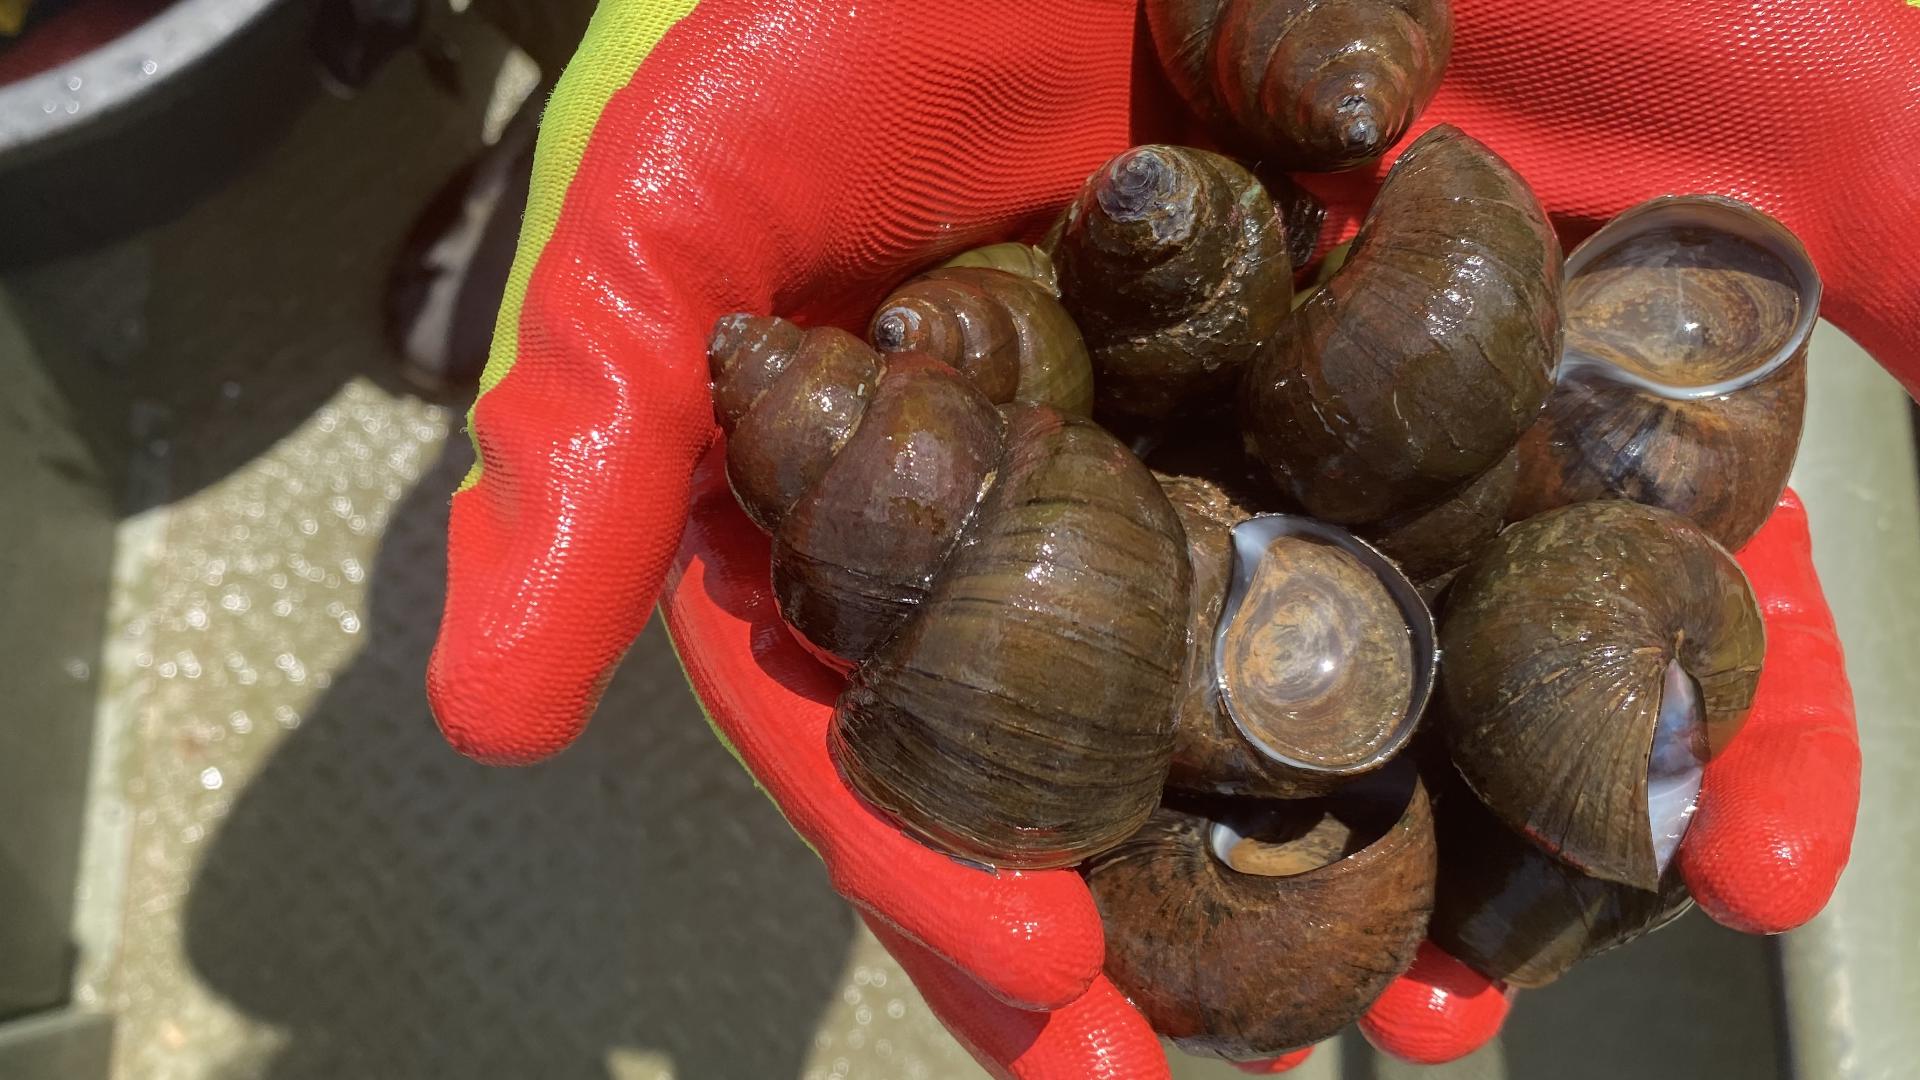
{"x": 1302, "y": 214}
{"x": 824, "y": 451}
{"x": 1308, "y": 84}
{"x": 1596, "y": 657}
{"x": 1246, "y": 932}
{"x": 1421, "y": 361}
{"x": 1174, "y": 263}
{"x": 1512, "y": 912}
{"x": 1684, "y": 377}
{"x": 1011, "y": 582}
{"x": 1430, "y": 541}
{"x": 1021, "y": 260}
{"x": 1024, "y": 717}
{"x": 1310, "y": 657}
{"x": 1006, "y": 332}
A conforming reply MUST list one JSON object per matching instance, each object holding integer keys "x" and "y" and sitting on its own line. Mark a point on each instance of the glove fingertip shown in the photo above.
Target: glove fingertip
{"x": 488, "y": 714}
{"x": 1775, "y": 819}
{"x": 1439, "y": 1011}
{"x": 1097, "y": 1036}
{"x": 1030, "y": 939}
{"x": 1774, "y": 829}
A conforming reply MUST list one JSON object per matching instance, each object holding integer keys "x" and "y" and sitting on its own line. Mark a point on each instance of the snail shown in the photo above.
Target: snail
{"x": 1243, "y": 932}
{"x": 1309, "y": 84}
{"x": 1009, "y": 585}
{"x": 1302, "y": 214}
{"x": 1514, "y": 913}
{"x": 1421, "y": 361}
{"x": 1684, "y": 379}
{"x": 1432, "y": 541}
{"x": 1310, "y": 656}
{"x": 1174, "y": 264}
{"x": 1006, "y": 332}
{"x": 1023, "y": 260}
{"x": 1597, "y": 656}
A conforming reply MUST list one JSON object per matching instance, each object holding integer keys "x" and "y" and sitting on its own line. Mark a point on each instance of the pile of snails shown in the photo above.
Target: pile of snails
{"x": 1305, "y": 626}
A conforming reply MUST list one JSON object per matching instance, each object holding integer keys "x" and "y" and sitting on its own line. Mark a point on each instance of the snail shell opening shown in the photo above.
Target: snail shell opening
{"x": 1688, "y": 297}
{"x": 1675, "y": 763}
{"x": 1291, "y": 837}
{"x": 1246, "y": 964}
{"x": 1314, "y": 675}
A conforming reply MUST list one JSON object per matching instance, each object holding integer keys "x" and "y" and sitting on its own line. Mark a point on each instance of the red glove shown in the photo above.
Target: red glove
{"x": 801, "y": 157}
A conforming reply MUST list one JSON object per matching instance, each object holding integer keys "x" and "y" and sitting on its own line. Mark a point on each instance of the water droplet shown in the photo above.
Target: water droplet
{"x": 211, "y": 779}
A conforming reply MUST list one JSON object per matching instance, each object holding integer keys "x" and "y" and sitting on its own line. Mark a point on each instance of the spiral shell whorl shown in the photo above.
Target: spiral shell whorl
{"x": 1174, "y": 263}
{"x": 1010, "y": 582}
{"x": 1235, "y": 960}
{"x": 1006, "y": 332}
{"x": 1422, "y": 361}
{"x": 863, "y": 469}
{"x": 1559, "y": 641}
{"x": 1308, "y": 84}
{"x": 1024, "y": 717}
{"x": 788, "y": 399}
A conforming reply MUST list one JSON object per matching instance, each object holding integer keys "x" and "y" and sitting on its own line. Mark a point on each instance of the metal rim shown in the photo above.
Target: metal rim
{"x": 120, "y": 72}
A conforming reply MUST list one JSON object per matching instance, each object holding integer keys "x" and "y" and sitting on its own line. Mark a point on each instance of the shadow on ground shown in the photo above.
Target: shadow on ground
{"x": 402, "y": 912}
{"x": 1692, "y": 1002}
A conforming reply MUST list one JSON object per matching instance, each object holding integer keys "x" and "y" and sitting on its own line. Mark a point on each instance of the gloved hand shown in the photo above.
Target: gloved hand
{"x": 1772, "y": 827}
{"x": 800, "y": 157}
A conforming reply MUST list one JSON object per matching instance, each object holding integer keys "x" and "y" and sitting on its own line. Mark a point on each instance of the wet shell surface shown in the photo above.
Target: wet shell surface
{"x": 1597, "y": 656}
{"x": 1024, "y": 716}
{"x": 1245, "y": 931}
{"x": 1422, "y": 360}
{"x": 1174, "y": 263}
{"x": 1023, "y": 260}
{"x": 1434, "y": 540}
{"x": 1683, "y": 380}
{"x": 1306, "y": 84}
{"x": 1005, "y": 331}
{"x": 1512, "y": 912}
{"x": 1008, "y": 585}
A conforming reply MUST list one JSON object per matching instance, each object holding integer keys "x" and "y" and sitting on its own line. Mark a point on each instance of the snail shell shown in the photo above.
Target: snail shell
{"x": 1433, "y": 540}
{"x": 1302, "y": 214}
{"x": 1596, "y": 657}
{"x": 1310, "y": 656}
{"x": 1308, "y": 84}
{"x": 1174, "y": 263}
{"x": 1011, "y": 583}
{"x": 1024, "y": 717}
{"x": 1246, "y": 933}
{"x": 1512, "y": 912}
{"x": 1021, "y": 260}
{"x": 1006, "y": 332}
{"x": 1683, "y": 382}
{"x": 827, "y": 450}
{"x": 1423, "y": 359}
